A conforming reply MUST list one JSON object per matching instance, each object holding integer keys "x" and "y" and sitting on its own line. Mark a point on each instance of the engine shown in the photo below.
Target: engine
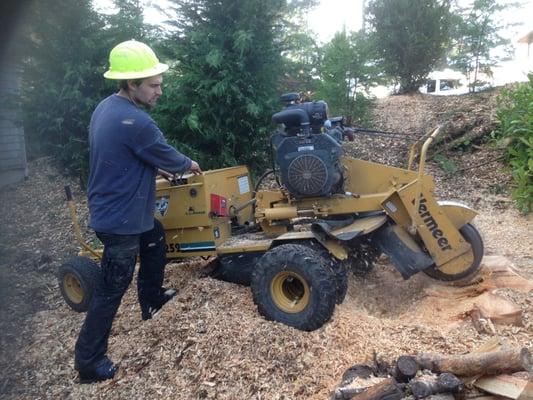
{"x": 308, "y": 155}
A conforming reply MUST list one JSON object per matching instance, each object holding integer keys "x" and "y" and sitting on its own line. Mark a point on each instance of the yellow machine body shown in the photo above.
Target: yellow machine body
{"x": 293, "y": 250}
{"x": 406, "y": 196}
{"x": 197, "y": 212}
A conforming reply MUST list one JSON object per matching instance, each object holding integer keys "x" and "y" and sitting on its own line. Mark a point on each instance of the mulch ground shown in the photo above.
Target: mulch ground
{"x": 210, "y": 342}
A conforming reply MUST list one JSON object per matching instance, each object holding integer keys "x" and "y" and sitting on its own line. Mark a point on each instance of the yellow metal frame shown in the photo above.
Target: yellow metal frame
{"x": 87, "y": 251}
{"x": 404, "y": 195}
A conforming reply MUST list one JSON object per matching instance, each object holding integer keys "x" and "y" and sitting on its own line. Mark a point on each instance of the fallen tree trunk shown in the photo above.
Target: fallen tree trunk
{"x": 386, "y": 390}
{"x": 493, "y": 363}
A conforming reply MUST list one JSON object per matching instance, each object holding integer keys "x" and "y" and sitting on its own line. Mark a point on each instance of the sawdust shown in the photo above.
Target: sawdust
{"x": 210, "y": 342}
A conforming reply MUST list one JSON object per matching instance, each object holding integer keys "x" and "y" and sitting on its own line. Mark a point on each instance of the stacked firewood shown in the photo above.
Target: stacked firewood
{"x": 443, "y": 376}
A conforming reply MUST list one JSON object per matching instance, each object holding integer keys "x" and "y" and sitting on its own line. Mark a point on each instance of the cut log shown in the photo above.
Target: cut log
{"x": 493, "y": 363}
{"x": 387, "y": 389}
{"x": 427, "y": 386}
{"x": 509, "y": 386}
{"x": 406, "y": 368}
{"x": 344, "y": 393}
{"x": 445, "y": 396}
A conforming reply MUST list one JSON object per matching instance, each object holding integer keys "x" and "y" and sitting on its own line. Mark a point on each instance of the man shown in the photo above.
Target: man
{"x": 126, "y": 150}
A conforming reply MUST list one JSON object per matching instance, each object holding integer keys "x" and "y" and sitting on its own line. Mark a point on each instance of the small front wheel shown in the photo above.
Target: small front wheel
{"x": 291, "y": 284}
{"x": 77, "y": 279}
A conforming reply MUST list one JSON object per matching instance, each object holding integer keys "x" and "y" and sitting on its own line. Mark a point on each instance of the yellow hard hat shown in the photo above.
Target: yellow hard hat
{"x": 133, "y": 60}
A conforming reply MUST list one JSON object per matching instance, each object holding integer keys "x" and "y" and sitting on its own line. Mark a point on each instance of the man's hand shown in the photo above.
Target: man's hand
{"x": 195, "y": 168}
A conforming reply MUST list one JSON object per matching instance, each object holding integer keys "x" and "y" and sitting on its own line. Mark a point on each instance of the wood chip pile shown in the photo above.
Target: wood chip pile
{"x": 476, "y": 172}
{"x": 209, "y": 342}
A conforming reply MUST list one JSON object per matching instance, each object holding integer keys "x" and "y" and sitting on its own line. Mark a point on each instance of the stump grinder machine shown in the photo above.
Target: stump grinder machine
{"x": 294, "y": 243}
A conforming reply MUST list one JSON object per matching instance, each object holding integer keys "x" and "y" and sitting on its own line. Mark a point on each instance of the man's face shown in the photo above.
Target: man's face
{"x": 147, "y": 92}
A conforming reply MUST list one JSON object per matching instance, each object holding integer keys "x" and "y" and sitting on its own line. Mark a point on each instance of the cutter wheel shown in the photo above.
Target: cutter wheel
{"x": 450, "y": 273}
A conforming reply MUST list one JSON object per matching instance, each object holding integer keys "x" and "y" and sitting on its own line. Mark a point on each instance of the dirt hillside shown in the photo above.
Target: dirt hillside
{"x": 210, "y": 342}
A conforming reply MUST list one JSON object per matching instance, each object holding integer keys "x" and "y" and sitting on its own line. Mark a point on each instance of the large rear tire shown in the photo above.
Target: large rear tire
{"x": 77, "y": 280}
{"x": 337, "y": 267}
{"x": 472, "y": 236}
{"x": 292, "y": 285}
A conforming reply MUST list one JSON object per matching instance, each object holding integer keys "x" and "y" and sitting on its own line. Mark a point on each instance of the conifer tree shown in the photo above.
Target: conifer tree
{"x": 476, "y": 32}
{"x": 63, "y": 65}
{"x": 347, "y": 72}
{"x": 410, "y": 37}
{"x": 224, "y": 86}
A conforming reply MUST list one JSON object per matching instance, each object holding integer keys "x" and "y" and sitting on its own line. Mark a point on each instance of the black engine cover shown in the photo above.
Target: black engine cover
{"x": 309, "y": 165}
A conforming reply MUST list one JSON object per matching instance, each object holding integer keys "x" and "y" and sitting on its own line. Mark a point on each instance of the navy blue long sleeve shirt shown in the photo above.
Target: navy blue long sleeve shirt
{"x": 126, "y": 148}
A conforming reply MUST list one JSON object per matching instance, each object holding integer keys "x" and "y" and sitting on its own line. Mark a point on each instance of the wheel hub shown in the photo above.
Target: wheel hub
{"x": 290, "y": 292}
{"x": 73, "y": 288}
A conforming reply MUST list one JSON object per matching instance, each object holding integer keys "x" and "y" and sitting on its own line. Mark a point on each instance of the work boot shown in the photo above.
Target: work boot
{"x": 103, "y": 370}
{"x": 149, "y": 311}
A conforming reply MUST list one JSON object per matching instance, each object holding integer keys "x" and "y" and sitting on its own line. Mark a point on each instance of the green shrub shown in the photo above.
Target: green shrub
{"x": 515, "y": 116}
{"x": 446, "y": 164}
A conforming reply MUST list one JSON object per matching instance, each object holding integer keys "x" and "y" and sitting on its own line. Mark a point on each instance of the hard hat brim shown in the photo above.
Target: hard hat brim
{"x": 119, "y": 75}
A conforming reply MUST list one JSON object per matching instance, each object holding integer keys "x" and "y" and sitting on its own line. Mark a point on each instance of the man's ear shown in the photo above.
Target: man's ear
{"x": 132, "y": 85}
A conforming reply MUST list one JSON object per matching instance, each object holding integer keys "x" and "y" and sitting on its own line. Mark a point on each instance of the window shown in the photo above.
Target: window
{"x": 431, "y": 85}
{"x": 448, "y": 84}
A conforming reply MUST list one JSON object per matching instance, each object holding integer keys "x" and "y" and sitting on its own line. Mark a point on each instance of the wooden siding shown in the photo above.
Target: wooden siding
{"x": 13, "y": 165}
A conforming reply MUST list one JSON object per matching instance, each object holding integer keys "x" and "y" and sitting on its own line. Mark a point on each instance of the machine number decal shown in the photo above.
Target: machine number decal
{"x": 244, "y": 185}
{"x": 391, "y": 207}
{"x": 161, "y": 205}
{"x": 172, "y": 247}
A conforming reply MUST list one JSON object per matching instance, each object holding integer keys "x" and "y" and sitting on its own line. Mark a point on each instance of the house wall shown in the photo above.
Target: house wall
{"x": 13, "y": 164}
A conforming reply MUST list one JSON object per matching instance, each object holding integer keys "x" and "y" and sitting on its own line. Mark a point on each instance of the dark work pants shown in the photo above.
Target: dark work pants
{"x": 117, "y": 267}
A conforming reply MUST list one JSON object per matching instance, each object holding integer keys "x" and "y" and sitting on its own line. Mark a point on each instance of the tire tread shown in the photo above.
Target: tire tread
{"x": 87, "y": 271}
{"x": 322, "y": 286}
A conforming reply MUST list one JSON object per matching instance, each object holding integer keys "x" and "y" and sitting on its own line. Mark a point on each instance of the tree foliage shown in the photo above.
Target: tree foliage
{"x": 62, "y": 79}
{"x": 301, "y": 59}
{"x": 515, "y": 116}
{"x": 230, "y": 60}
{"x": 475, "y": 33}
{"x": 411, "y": 36}
{"x": 299, "y": 49}
{"x": 128, "y": 23}
{"x": 347, "y": 72}
{"x": 224, "y": 84}
{"x": 65, "y": 57}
